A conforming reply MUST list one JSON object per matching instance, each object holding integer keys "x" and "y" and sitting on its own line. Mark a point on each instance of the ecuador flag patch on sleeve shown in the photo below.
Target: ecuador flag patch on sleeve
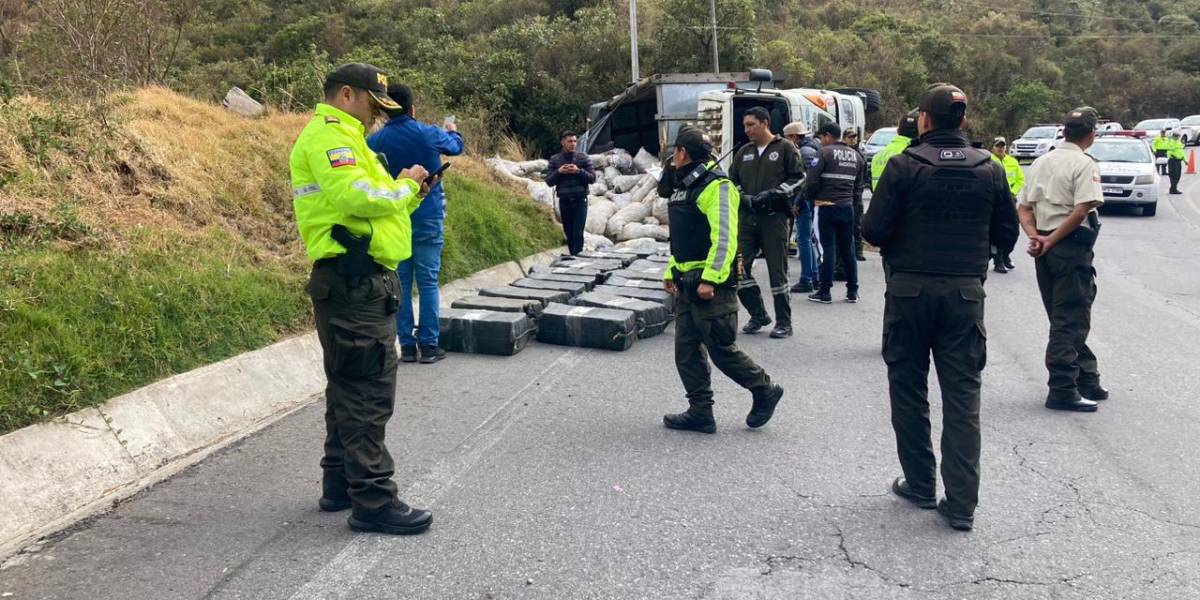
{"x": 341, "y": 157}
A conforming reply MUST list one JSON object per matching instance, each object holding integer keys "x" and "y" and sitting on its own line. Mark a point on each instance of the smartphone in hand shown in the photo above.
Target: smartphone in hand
{"x": 436, "y": 174}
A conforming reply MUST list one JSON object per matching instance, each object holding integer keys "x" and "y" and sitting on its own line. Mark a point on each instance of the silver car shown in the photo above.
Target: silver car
{"x": 879, "y": 140}
{"x": 1152, "y": 127}
{"x": 1035, "y": 142}
{"x": 1127, "y": 172}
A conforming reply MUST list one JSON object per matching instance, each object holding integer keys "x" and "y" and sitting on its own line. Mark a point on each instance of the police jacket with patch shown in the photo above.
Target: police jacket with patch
{"x": 777, "y": 171}
{"x": 939, "y": 206}
{"x": 703, "y": 224}
{"x": 338, "y": 180}
{"x": 575, "y": 185}
{"x": 838, "y": 176}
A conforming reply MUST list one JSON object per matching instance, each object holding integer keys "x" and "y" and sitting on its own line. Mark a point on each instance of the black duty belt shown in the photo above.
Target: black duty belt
{"x": 335, "y": 261}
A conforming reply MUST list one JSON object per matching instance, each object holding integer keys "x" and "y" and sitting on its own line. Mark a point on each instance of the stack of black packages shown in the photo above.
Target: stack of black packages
{"x": 485, "y": 331}
{"x": 574, "y": 289}
{"x": 603, "y": 264}
{"x": 658, "y": 295}
{"x": 652, "y": 317}
{"x": 588, "y": 327}
{"x": 543, "y": 296}
{"x": 588, "y": 281}
{"x": 533, "y": 308}
{"x": 642, "y": 269}
{"x": 624, "y": 257}
{"x": 596, "y": 275}
{"x": 647, "y": 284}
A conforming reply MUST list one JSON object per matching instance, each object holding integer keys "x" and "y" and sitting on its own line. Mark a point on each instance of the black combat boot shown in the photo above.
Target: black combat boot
{"x": 396, "y": 518}
{"x": 955, "y": 521}
{"x": 901, "y": 488}
{"x": 691, "y": 421}
{"x": 1008, "y": 263}
{"x": 756, "y": 324}
{"x": 764, "y": 406}
{"x": 803, "y": 287}
{"x": 334, "y": 497}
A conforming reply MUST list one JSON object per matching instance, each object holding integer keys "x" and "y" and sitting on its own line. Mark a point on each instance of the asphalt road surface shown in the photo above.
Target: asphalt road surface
{"x": 551, "y": 476}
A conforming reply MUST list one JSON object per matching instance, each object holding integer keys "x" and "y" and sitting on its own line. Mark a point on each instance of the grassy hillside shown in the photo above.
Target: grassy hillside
{"x": 150, "y": 233}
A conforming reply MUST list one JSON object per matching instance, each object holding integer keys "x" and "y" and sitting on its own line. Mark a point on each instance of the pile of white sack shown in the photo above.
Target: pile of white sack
{"x": 623, "y": 204}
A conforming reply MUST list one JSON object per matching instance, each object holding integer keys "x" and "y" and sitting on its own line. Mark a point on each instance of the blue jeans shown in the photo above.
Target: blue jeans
{"x": 808, "y": 257}
{"x": 836, "y": 225}
{"x": 425, "y": 266}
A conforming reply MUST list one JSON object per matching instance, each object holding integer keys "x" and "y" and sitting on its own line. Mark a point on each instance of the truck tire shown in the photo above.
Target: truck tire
{"x": 872, "y": 101}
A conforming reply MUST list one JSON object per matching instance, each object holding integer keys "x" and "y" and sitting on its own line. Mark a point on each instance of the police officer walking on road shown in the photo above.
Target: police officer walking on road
{"x": 768, "y": 171}
{"x": 1058, "y": 213}
{"x": 1016, "y": 182}
{"x": 1175, "y": 158}
{"x": 937, "y": 209}
{"x": 354, "y": 220}
{"x": 701, "y": 276}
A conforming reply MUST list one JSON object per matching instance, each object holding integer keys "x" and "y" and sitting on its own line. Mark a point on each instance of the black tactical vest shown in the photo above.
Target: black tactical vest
{"x": 945, "y": 223}
{"x": 691, "y": 237}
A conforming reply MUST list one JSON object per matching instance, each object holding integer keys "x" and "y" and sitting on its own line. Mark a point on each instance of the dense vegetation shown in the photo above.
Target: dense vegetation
{"x": 532, "y": 66}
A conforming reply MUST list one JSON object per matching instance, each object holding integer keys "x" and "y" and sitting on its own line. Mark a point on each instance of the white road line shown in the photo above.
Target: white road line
{"x": 339, "y": 577}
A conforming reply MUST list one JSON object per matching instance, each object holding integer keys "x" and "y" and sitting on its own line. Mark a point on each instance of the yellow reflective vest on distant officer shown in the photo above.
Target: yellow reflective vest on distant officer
{"x": 1160, "y": 143}
{"x": 718, "y": 203}
{"x": 1175, "y": 150}
{"x": 1012, "y": 170}
{"x": 879, "y": 161}
{"x": 338, "y": 180}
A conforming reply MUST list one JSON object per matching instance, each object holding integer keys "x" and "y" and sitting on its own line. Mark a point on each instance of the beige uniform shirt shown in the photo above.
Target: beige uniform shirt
{"x": 1059, "y": 181}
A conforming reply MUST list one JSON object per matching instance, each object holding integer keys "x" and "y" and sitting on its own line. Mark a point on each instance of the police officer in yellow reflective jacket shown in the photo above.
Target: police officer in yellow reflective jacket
{"x": 1016, "y": 180}
{"x": 700, "y": 273}
{"x": 354, "y": 220}
{"x": 906, "y": 132}
{"x": 1175, "y": 158}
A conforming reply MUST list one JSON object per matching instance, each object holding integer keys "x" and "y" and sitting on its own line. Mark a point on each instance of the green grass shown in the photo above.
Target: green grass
{"x": 79, "y": 327}
{"x": 82, "y": 324}
{"x": 487, "y": 225}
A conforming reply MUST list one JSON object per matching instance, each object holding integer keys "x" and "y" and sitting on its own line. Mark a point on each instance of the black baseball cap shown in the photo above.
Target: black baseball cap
{"x": 907, "y": 126}
{"x": 942, "y": 99}
{"x": 1084, "y": 116}
{"x": 365, "y": 77}
{"x": 690, "y": 138}
{"x": 831, "y": 129}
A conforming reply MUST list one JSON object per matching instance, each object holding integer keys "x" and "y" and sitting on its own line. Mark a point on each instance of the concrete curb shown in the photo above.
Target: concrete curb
{"x": 60, "y": 472}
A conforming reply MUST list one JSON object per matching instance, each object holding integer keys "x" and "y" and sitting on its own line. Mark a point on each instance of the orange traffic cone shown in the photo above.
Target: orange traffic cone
{"x": 1191, "y": 170}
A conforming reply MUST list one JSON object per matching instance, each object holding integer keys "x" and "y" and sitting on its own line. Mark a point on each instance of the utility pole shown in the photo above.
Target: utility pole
{"x": 712, "y": 11}
{"x": 633, "y": 39}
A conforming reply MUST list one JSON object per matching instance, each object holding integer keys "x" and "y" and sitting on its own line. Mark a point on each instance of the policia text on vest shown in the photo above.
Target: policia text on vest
{"x": 354, "y": 220}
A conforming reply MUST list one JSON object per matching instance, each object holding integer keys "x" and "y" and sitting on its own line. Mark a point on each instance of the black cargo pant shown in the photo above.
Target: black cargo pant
{"x": 768, "y": 233}
{"x": 1067, "y": 282}
{"x": 836, "y": 225}
{"x": 706, "y": 328}
{"x": 358, "y": 338}
{"x": 1174, "y": 171}
{"x": 926, "y": 314}
{"x": 574, "y": 218}
{"x": 858, "y": 237}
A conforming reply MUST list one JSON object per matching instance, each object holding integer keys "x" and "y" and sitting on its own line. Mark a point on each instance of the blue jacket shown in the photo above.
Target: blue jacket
{"x": 407, "y": 142}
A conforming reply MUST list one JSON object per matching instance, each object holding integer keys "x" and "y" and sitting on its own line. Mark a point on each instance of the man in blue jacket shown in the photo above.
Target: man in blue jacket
{"x": 406, "y": 141}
